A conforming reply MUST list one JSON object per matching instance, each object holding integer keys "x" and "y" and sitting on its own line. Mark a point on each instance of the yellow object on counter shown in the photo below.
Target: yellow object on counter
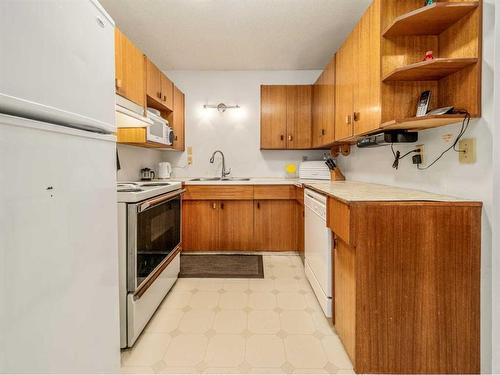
{"x": 291, "y": 170}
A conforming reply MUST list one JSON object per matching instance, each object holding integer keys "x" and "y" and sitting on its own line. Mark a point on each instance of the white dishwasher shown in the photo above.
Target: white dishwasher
{"x": 318, "y": 249}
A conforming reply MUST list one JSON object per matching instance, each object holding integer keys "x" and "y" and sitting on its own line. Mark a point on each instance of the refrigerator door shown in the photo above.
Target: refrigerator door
{"x": 57, "y": 63}
{"x": 58, "y": 250}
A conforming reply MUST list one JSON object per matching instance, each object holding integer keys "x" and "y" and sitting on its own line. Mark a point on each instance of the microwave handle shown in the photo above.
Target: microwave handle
{"x": 156, "y": 201}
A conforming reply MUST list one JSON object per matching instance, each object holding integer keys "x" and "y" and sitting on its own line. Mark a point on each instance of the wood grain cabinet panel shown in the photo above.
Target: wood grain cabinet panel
{"x": 406, "y": 290}
{"x": 130, "y": 80}
{"x": 274, "y": 192}
{"x": 167, "y": 92}
{"x": 323, "y": 107}
{"x": 177, "y": 119}
{"x": 275, "y": 225}
{"x": 200, "y": 225}
{"x": 153, "y": 81}
{"x": 236, "y": 225}
{"x": 298, "y": 110}
{"x": 273, "y": 117}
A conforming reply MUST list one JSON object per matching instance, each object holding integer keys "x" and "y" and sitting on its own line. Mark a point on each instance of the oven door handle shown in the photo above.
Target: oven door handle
{"x": 156, "y": 201}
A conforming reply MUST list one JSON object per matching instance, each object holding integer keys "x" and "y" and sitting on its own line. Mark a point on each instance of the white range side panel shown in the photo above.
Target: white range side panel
{"x": 58, "y": 250}
{"x": 57, "y": 62}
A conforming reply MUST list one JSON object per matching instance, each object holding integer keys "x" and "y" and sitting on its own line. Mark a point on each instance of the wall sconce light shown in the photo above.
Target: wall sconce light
{"x": 221, "y": 107}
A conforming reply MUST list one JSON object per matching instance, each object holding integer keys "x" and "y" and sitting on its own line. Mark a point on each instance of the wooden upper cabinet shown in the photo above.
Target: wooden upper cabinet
{"x": 177, "y": 119}
{"x": 344, "y": 89}
{"x": 273, "y": 116}
{"x": 298, "y": 112}
{"x": 286, "y": 117}
{"x": 167, "y": 92}
{"x": 129, "y": 69}
{"x": 153, "y": 81}
{"x": 367, "y": 93}
{"x": 323, "y": 111}
{"x": 159, "y": 88}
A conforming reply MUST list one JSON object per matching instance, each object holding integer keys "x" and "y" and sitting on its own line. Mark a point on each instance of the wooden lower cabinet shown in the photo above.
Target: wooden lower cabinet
{"x": 241, "y": 218}
{"x": 200, "y": 225}
{"x": 406, "y": 285}
{"x": 236, "y": 225}
{"x": 275, "y": 227}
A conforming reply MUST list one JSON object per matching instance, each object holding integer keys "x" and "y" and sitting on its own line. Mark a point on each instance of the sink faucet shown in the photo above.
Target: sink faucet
{"x": 224, "y": 172}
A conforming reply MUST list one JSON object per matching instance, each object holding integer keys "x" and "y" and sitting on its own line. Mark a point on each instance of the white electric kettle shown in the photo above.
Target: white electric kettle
{"x": 164, "y": 170}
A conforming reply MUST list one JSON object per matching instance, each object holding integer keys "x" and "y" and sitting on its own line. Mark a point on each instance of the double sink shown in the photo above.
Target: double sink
{"x": 228, "y": 179}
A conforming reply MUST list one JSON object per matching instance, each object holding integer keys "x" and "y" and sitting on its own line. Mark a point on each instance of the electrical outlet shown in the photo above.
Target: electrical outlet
{"x": 421, "y": 154}
{"x": 190, "y": 155}
{"x": 467, "y": 151}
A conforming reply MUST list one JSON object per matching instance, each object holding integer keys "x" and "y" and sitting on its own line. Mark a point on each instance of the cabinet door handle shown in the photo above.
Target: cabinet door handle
{"x": 282, "y": 137}
{"x": 175, "y": 138}
{"x": 222, "y": 206}
{"x": 159, "y": 94}
{"x": 290, "y": 138}
{"x": 258, "y": 205}
{"x": 355, "y": 116}
{"x": 118, "y": 83}
{"x": 214, "y": 206}
{"x": 348, "y": 119}
{"x": 323, "y": 131}
{"x": 164, "y": 98}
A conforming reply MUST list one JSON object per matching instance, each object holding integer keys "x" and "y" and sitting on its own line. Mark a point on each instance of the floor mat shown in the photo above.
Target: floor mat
{"x": 222, "y": 266}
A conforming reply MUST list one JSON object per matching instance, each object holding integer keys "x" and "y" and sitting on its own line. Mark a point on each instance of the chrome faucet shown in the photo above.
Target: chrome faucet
{"x": 212, "y": 159}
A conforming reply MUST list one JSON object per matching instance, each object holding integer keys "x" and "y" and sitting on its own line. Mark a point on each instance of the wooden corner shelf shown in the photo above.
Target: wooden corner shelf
{"x": 430, "y": 70}
{"x": 430, "y": 20}
{"x": 422, "y": 123}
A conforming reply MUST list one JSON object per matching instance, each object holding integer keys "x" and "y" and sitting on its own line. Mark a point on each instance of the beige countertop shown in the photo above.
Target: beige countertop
{"x": 348, "y": 191}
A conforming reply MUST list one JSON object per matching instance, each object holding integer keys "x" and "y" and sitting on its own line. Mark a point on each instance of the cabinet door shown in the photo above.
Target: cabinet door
{"x": 176, "y": 119}
{"x": 236, "y": 225}
{"x": 167, "y": 91}
{"x": 273, "y": 117}
{"x": 298, "y": 110}
{"x": 328, "y": 104}
{"x": 275, "y": 225}
{"x": 344, "y": 88}
{"x": 130, "y": 79}
{"x": 345, "y": 295}
{"x": 367, "y": 93}
{"x": 200, "y": 225}
{"x": 316, "y": 112}
{"x": 153, "y": 82}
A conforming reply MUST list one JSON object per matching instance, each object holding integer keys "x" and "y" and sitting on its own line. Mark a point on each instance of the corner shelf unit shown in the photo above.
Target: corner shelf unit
{"x": 453, "y": 31}
{"x": 430, "y": 70}
{"x": 429, "y": 20}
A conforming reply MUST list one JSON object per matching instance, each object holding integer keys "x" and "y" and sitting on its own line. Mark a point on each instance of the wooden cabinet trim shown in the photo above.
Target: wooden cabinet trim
{"x": 217, "y": 192}
{"x": 274, "y": 192}
{"x": 339, "y": 219}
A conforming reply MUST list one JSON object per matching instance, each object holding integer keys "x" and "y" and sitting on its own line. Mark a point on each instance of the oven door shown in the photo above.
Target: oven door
{"x": 154, "y": 236}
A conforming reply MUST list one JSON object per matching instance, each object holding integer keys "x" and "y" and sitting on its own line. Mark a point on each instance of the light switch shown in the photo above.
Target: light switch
{"x": 467, "y": 148}
{"x": 190, "y": 155}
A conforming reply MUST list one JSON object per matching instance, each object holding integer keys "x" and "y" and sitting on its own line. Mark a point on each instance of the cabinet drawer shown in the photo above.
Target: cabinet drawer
{"x": 217, "y": 192}
{"x": 339, "y": 219}
{"x": 274, "y": 192}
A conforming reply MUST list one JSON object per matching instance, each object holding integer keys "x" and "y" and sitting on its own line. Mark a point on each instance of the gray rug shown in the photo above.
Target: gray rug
{"x": 224, "y": 266}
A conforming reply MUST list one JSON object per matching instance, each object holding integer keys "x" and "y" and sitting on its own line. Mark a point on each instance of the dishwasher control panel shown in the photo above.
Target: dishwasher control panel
{"x": 316, "y": 202}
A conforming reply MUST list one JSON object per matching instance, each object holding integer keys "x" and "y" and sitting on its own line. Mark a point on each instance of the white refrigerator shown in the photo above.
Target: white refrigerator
{"x": 59, "y": 307}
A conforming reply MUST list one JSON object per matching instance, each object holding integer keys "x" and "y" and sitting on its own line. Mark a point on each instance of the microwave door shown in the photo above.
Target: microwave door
{"x": 153, "y": 234}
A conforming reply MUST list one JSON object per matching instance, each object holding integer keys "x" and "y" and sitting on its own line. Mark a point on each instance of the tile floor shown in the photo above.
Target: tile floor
{"x": 258, "y": 326}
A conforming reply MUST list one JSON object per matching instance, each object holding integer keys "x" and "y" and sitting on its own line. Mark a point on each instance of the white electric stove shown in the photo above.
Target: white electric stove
{"x": 149, "y": 245}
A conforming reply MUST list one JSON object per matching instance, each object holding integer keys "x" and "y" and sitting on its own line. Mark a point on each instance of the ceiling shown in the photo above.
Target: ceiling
{"x": 237, "y": 34}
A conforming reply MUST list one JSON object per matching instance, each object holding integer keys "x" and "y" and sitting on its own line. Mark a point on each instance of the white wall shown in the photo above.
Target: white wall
{"x": 235, "y": 132}
{"x": 133, "y": 159}
{"x": 496, "y": 206}
{"x": 448, "y": 176}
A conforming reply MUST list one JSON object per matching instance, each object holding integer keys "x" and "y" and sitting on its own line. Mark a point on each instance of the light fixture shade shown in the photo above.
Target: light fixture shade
{"x": 221, "y": 107}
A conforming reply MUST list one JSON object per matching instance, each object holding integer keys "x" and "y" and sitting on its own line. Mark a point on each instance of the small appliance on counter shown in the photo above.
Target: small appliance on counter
{"x": 314, "y": 170}
{"x": 147, "y": 174}
{"x": 164, "y": 170}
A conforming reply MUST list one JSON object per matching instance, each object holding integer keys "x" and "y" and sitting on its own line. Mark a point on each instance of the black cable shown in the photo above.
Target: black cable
{"x": 398, "y": 157}
{"x": 463, "y": 129}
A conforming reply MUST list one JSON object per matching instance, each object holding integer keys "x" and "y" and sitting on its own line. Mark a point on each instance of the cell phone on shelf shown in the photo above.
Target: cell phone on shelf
{"x": 423, "y": 103}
